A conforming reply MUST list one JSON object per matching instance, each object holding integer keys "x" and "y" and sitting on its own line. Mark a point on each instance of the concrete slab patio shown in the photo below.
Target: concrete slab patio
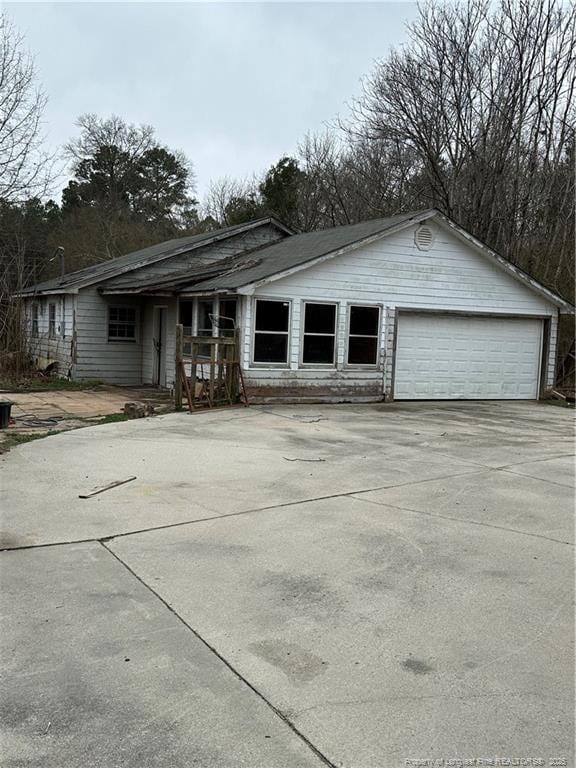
{"x": 38, "y": 413}
{"x": 97, "y": 401}
{"x": 356, "y": 586}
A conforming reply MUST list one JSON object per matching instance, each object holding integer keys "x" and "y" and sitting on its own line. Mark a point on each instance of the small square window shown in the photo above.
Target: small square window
{"x": 122, "y": 324}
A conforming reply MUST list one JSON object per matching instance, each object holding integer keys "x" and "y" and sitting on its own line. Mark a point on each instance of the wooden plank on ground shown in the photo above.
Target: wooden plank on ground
{"x": 103, "y": 488}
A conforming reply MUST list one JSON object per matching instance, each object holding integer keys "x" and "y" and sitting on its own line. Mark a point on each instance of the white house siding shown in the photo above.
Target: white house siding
{"x": 147, "y": 329}
{"x": 117, "y": 362}
{"x": 170, "y": 345}
{"x": 46, "y": 349}
{"x": 147, "y": 325}
{"x": 451, "y": 276}
{"x": 550, "y": 364}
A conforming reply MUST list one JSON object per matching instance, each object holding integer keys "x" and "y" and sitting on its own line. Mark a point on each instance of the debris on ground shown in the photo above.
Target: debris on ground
{"x": 296, "y": 459}
{"x": 103, "y": 488}
{"x": 138, "y": 410}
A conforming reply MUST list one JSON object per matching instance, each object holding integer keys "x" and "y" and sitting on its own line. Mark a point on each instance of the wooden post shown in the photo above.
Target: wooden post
{"x": 184, "y": 380}
{"x": 213, "y": 352}
{"x": 179, "y": 367}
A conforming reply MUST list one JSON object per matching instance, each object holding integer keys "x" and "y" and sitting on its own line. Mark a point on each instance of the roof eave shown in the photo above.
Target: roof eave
{"x": 50, "y": 292}
{"x": 89, "y": 282}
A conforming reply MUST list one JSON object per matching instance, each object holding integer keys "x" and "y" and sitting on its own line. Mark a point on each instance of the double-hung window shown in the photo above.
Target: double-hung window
{"x": 363, "y": 333}
{"x": 319, "y": 342}
{"x": 227, "y": 317}
{"x": 35, "y": 319}
{"x": 205, "y": 326}
{"x": 271, "y": 329}
{"x": 122, "y": 324}
{"x": 185, "y": 318}
{"x": 205, "y": 315}
{"x": 52, "y": 320}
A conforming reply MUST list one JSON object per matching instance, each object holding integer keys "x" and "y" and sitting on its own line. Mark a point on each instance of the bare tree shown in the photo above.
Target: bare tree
{"x": 228, "y": 199}
{"x": 482, "y": 102}
{"x": 96, "y": 132}
{"x": 25, "y": 174}
{"x": 24, "y": 166}
{"x": 346, "y": 181}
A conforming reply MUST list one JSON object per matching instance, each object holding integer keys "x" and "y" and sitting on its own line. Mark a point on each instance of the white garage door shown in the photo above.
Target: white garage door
{"x": 451, "y": 357}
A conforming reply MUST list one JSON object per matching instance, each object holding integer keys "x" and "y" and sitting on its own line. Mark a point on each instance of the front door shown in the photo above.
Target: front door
{"x": 159, "y": 346}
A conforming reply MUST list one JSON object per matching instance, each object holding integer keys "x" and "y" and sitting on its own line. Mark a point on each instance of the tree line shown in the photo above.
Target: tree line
{"x": 473, "y": 115}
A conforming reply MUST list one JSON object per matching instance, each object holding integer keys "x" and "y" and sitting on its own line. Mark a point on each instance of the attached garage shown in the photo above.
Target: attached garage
{"x": 467, "y": 357}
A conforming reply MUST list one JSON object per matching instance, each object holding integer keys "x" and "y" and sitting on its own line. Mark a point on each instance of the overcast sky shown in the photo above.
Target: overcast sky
{"x": 233, "y": 85}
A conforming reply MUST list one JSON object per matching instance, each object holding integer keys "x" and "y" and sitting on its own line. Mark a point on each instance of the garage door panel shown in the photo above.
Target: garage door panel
{"x": 450, "y": 357}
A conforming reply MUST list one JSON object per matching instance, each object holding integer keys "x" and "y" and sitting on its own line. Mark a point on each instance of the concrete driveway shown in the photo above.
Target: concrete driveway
{"x": 358, "y": 586}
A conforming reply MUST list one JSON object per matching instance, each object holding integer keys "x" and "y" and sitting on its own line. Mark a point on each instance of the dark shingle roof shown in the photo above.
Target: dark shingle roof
{"x": 291, "y": 252}
{"x": 106, "y": 270}
{"x": 302, "y": 249}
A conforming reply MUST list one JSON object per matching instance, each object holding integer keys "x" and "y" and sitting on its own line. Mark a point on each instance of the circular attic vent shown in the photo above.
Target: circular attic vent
{"x": 424, "y": 237}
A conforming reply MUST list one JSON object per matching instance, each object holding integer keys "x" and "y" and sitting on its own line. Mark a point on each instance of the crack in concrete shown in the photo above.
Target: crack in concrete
{"x": 344, "y": 494}
{"x": 424, "y": 697}
{"x": 254, "y": 510}
{"x": 540, "y": 479}
{"x": 460, "y": 520}
{"x": 233, "y": 669}
{"x": 537, "y": 461}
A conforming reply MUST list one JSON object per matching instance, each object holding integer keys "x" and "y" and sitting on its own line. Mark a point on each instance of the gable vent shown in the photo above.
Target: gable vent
{"x": 424, "y": 237}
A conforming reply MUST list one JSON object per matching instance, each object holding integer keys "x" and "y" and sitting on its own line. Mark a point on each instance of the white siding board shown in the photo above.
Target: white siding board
{"x": 392, "y": 270}
{"x": 246, "y": 326}
{"x": 44, "y": 348}
{"x": 170, "y": 345}
{"x": 147, "y": 343}
{"x": 550, "y": 377}
{"x": 116, "y": 362}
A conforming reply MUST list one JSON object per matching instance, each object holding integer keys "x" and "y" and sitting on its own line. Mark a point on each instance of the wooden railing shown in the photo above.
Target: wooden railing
{"x": 209, "y": 373}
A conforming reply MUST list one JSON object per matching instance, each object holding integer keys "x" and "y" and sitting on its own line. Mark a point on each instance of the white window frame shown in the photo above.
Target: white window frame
{"x": 51, "y": 320}
{"x": 367, "y": 304}
{"x": 253, "y": 362}
{"x": 35, "y": 320}
{"x": 126, "y": 340}
{"x": 327, "y": 366}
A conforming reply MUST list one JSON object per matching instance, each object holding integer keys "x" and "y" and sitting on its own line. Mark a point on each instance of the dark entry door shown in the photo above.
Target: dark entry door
{"x": 160, "y": 346}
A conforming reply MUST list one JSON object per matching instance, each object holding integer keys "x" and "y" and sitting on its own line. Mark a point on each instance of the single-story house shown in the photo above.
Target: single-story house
{"x": 407, "y": 307}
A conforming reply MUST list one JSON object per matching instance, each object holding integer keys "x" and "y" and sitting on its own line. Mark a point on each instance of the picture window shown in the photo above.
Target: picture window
{"x": 319, "y": 344}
